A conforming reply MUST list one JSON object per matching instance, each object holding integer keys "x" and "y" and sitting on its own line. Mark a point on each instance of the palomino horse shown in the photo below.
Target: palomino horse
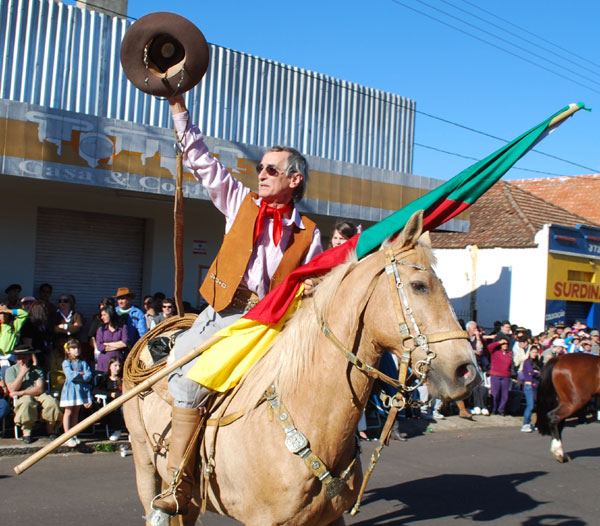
{"x": 568, "y": 383}
{"x": 254, "y": 477}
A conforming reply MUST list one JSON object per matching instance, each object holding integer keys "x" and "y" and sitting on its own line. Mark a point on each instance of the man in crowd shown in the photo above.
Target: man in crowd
{"x": 136, "y": 320}
{"x": 595, "y": 336}
{"x": 12, "y": 296}
{"x": 558, "y": 347}
{"x": 25, "y": 385}
{"x": 266, "y": 238}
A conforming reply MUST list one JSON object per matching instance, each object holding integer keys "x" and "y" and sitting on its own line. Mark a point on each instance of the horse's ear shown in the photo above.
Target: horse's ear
{"x": 425, "y": 239}
{"x": 412, "y": 231}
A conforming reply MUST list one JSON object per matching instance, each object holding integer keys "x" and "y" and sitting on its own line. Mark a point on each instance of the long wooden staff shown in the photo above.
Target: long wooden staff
{"x": 178, "y": 230}
{"x": 118, "y": 402}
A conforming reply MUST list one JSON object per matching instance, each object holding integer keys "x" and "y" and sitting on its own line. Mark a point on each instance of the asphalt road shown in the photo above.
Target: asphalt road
{"x": 491, "y": 475}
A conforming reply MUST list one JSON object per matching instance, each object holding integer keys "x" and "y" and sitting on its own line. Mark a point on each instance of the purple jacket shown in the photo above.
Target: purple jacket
{"x": 105, "y": 335}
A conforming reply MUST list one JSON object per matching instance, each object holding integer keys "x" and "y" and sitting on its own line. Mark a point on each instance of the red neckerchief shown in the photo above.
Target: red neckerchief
{"x": 277, "y": 214}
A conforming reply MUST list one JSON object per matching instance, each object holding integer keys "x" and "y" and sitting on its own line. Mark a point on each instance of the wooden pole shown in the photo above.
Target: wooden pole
{"x": 562, "y": 116}
{"x": 118, "y": 402}
{"x": 178, "y": 232}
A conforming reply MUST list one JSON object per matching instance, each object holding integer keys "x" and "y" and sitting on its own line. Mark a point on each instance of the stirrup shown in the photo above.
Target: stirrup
{"x": 158, "y": 518}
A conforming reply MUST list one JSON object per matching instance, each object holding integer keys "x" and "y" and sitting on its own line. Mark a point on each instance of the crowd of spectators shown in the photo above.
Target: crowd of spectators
{"x": 34, "y": 333}
{"x": 41, "y": 341}
{"x": 511, "y": 359}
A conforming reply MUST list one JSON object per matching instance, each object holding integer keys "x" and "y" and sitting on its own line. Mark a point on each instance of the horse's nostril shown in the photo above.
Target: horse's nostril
{"x": 467, "y": 373}
{"x": 463, "y": 372}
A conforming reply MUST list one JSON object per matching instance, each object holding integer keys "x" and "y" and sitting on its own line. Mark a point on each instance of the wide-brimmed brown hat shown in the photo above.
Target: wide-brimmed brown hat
{"x": 124, "y": 291}
{"x": 164, "y": 54}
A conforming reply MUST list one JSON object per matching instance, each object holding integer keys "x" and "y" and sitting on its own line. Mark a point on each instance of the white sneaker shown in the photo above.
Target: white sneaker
{"x": 438, "y": 416}
{"x": 476, "y": 411}
{"x": 77, "y": 441}
{"x": 485, "y": 412}
{"x": 526, "y": 429}
{"x": 71, "y": 442}
{"x": 115, "y": 435}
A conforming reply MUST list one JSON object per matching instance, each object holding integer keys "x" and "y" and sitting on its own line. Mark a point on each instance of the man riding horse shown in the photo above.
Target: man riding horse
{"x": 266, "y": 238}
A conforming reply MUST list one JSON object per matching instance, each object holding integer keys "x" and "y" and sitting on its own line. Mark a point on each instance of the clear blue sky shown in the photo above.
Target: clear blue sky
{"x": 451, "y": 75}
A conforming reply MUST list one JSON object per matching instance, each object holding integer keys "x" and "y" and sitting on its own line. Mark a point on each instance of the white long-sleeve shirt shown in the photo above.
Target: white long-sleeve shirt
{"x": 227, "y": 194}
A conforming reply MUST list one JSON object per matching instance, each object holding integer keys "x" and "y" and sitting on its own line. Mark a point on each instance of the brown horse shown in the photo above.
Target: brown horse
{"x": 568, "y": 383}
{"x": 254, "y": 477}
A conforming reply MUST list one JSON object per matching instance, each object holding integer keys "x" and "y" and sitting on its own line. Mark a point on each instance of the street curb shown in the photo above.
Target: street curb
{"x": 16, "y": 447}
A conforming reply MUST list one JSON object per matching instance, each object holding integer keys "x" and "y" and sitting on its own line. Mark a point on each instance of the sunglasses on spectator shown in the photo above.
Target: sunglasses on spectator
{"x": 167, "y": 306}
{"x": 269, "y": 168}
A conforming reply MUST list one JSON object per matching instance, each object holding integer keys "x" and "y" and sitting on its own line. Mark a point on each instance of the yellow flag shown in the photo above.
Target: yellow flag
{"x": 221, "y": 366}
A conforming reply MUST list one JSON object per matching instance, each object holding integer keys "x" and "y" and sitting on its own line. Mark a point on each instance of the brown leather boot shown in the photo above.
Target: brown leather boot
{"x": 184, "y": 426}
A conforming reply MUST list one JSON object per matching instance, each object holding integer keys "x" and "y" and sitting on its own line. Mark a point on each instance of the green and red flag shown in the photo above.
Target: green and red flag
{"x": 221, "y": 366}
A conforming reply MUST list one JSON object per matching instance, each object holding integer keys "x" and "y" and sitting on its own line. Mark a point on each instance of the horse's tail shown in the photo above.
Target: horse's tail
{"x": 546, "y": 399}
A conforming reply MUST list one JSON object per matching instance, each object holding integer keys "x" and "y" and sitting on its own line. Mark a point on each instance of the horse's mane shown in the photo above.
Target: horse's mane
{"x": 293, "y": 352}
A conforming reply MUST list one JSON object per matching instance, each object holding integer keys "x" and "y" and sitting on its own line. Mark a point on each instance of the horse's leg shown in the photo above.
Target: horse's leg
{"x": 147, "y": 479}
{"x": 556, "y": 419}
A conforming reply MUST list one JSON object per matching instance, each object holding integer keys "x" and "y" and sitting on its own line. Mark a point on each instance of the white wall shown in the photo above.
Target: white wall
{"x": 508, "y": 283}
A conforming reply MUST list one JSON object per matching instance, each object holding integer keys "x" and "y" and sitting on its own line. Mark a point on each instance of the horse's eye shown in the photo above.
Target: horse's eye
{"x": 419, "y": 287}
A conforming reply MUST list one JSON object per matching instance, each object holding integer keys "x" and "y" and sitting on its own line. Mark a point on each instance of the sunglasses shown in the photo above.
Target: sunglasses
{"x": 167, "y": 306}
{"x": 63, "y": 300}
{"x": 269, "y": 168}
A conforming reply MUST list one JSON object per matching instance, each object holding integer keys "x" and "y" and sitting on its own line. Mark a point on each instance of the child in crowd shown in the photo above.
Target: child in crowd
{"x": 76, "y": 391}
{"x": 111, "y": 386}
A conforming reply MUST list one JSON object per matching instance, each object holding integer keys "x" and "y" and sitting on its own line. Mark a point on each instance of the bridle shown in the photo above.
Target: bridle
{"x": 420, "y": 340}
{"x": 403, "y": 312}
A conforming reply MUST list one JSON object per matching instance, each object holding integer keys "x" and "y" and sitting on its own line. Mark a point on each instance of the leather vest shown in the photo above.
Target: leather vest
{"x": 229, "y": 267}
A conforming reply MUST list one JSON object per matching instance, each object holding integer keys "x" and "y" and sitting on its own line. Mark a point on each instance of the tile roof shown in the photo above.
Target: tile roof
{"x": 507, "y": 216}
{"x": 579, "y": 194}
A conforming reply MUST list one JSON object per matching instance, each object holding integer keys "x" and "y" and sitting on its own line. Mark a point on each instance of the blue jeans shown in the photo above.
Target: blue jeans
{"x": 4, "y": 407}
{"x": 529, "y": 392}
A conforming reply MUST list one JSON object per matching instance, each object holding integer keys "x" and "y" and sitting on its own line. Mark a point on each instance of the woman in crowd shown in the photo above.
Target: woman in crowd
{"x": 150, "y": 311}
{"x": 112, "y": 339}
{"x": 529, "y": 376}
{"x": 342, "y": 232}
{"x": 501, "y": 359}
{"x": 110, "y": 385}
{"x": 38, "y": 333}
{"x": 96, "y": 323}
{"x": 67, "y": 324}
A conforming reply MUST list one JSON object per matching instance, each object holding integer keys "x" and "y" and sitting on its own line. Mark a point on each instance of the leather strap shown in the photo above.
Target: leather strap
{"x": 298, "y": 444}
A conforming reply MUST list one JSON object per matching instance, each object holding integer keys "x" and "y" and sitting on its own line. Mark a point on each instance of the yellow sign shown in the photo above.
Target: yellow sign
{"x": 572, "y": 278}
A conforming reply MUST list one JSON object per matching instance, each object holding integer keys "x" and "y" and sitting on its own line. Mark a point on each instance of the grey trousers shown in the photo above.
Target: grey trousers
{"x": 186, "y": 392}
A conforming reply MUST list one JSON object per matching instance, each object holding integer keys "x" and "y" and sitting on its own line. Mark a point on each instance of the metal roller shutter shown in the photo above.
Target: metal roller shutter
{"x": 88, "y": 255}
